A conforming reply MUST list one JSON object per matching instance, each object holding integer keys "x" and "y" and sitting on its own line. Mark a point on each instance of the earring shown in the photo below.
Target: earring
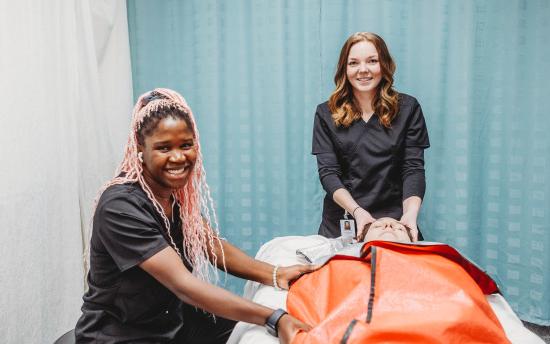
{"x": 140, "y": 157}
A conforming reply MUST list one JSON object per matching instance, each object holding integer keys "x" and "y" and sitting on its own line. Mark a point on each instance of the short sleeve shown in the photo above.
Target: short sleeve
{"x": 322, "y": 142}
{"x": 128, "y": 232}
{"x": 417, "y": 132}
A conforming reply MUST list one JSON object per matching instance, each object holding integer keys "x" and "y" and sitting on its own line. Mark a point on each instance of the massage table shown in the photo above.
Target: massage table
{"x": 282, "y": 251}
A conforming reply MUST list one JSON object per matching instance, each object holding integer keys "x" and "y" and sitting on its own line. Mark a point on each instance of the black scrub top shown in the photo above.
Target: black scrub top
{"x": 379, "y": 166}
{"x": 124, "y": 303}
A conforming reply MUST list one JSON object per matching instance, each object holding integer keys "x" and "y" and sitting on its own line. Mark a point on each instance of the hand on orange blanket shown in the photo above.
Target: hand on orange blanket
{"x": 287, "y": 274}
{"x": 288, "y": 327}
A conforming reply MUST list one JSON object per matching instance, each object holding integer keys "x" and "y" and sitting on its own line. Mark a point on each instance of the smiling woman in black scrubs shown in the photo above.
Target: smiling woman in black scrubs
{"x": 154, "y": 237}
{"x": 369, "y": 141}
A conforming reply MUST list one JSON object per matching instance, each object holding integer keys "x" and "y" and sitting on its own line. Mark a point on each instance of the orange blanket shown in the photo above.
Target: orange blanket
{"x": 396, "y": 293}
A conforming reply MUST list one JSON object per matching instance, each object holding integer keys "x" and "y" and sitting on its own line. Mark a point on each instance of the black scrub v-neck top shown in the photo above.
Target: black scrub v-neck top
{"x": 124, "y": 304}
{"x": 379, "y": 166}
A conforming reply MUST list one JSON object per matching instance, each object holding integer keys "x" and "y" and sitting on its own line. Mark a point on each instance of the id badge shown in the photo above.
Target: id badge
{"x": 347, "y": 230}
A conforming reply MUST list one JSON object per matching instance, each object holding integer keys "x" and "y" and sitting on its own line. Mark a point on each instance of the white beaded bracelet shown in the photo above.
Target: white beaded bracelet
{"x": 275, "y": 285}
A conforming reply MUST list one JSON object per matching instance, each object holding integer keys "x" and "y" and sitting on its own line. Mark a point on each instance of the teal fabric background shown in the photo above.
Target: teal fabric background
{"x": 254, "y": 71}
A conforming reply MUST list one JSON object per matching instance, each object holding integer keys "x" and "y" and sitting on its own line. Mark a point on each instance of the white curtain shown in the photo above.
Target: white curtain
{"x": 65, "y": 100}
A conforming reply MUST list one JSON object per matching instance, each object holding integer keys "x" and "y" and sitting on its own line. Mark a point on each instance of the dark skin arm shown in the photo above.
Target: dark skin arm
{"x": 167, "y": 268}
{"x": 241, "y": 265}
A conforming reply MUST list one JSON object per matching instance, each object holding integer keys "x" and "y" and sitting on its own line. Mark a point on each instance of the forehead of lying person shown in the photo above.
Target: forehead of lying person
{"x": 389, "y": 229}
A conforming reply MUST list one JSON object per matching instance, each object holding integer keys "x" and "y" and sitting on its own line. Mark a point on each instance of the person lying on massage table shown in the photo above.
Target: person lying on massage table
{"x": 418, "y": 293}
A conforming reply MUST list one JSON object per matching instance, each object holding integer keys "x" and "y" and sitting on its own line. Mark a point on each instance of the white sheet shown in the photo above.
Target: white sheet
{"x": 282, "y": 251}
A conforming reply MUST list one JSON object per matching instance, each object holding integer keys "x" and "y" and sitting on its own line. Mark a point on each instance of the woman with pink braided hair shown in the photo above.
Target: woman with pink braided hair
{"x": 155, "y": 244}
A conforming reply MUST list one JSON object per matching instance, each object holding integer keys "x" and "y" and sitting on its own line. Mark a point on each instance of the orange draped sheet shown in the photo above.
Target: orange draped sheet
{"x": 420, "y": 294}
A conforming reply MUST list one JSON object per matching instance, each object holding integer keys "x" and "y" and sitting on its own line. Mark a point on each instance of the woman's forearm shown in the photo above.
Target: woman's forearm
{"x": 167, "y": 268}
{"x": 221, "y": 302}
{"x": 241, "y": 265}
{"x": 343, "y": 198}
{"x": 411, "y": 206}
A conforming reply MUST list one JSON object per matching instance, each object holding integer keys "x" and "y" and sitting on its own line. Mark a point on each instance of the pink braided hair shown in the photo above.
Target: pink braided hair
{"x": 194, "y": 199}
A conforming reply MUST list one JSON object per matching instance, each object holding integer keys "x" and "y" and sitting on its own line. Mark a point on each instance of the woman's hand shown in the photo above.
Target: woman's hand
{"x": 287, "y": 274}
{"x": 288, "y": 326}
{"x": 409, "y": 221}
{"x": 362, "y": 219}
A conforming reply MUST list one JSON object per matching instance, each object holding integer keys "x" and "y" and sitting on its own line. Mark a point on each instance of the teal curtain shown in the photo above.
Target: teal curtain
{"x": 253, "y": 72}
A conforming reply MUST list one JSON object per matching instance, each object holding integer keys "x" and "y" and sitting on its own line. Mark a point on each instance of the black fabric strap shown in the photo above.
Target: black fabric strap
{"x": 372, "y": 281}
{"x": 347, "y": 334}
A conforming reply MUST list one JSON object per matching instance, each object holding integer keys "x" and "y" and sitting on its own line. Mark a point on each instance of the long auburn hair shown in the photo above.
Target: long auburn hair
{"x": 342, "y": 103}
{"x": 194, "y": 199}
